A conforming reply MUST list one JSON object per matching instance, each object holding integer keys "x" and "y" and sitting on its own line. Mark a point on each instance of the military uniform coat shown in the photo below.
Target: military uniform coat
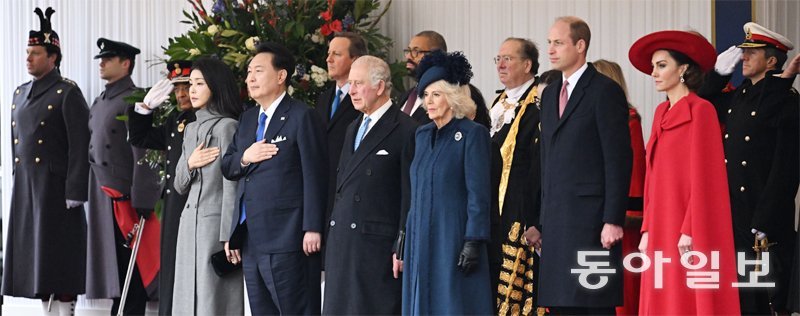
{"x": 586, "y": 172}
{"x": 450, "y": 178}
{"x": 372, "y": 188}
{"x": 46, "y": 242}
{"x": 114, "y": 163}
{"x": 205, "y": 225}
{"x": 761, "y": 142}
{"x": 169, "y": 137}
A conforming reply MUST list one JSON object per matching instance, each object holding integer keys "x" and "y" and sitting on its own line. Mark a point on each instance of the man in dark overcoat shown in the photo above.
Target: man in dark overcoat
{"x": 372, "y": 188}
{"x": 586, "y": 170}
{"x": 45, "y": 253}
{"x": 117, "y": 165}
{"x": 761, "y": 141}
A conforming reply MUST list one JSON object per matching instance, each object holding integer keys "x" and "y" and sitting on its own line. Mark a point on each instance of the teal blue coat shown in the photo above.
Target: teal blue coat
{"x": 450, "y": 201}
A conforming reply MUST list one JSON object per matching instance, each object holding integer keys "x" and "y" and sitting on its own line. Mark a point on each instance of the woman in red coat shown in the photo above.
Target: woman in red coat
{"x": 633, "y": 217}
{"x": 687, "y": 217}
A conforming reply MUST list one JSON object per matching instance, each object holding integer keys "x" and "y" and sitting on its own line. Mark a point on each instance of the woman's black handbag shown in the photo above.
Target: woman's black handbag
{"x": 221, "y": 264}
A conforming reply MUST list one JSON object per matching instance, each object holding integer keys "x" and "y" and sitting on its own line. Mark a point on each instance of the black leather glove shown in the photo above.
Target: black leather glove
{"x": 399, "y": 245}
{"x": 468, "y": 259}
{"x": 144, "y": 212}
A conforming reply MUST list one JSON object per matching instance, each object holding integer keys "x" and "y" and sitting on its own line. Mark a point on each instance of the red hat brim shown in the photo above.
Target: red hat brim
{"x": 693, "y": 46}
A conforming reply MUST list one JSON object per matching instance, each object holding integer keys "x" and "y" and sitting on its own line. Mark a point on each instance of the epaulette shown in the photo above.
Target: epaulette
{"x": 65, "y": 79}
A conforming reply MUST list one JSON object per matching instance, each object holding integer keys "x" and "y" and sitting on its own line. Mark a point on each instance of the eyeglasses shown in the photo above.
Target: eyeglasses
{"x": 507, "y": 59}
{"x": 414, "y": 53}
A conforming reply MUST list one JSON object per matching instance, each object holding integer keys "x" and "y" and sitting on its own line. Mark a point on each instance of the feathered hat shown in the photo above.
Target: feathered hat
{"x": 438, "y": 65}
{"x": 46, "y": 36}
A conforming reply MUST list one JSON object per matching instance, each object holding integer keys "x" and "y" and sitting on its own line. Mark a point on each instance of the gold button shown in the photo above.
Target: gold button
{"x": 726, "y": 135}
{"x": 741, "y": 189}
{"x": 169, "y": 147}
{"x": 747, "y": 138}
{"x": 37, "y": 159}
{"x": 744, "y": 163}
{"x": 59, "y": 91}
{"x": 16, "y": 159}
{"x": 17, "y": 91}
{"x": 753, "y": 113}
{"x": 726, "y": 160}
{"x": 536, "y": 140}
{"x": 40, "y": 141}
{"x": 13, "y": 106}
{"x": 16, "y": 141}
{"x": 42, "y": 123}
{"x": 49, "y": 107}
{"x": 729, "y": 111}
{"x": 168, "y": 176}
{"x": 13, "y": 123}
{"x": 744, "y": 91}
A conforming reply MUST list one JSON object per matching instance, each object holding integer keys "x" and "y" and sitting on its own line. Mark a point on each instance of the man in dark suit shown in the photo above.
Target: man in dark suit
{"x": 278, "y": 155}
{"x": 372, "y": 188}
{"x": 334, "y": 104}
{"x": 419, "y": 46}
{"x": 586, "y": 166}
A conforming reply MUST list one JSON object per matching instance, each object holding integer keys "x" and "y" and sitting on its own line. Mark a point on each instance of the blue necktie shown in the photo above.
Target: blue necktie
{"x": 262, "y": 125}
{"x": 361, "y": 132}
{"x": 336, "y": 100}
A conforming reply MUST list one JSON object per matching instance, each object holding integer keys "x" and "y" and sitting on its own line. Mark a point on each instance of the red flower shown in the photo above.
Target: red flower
{"x": 328, "y": 28}
{"x": 326, "y": 15}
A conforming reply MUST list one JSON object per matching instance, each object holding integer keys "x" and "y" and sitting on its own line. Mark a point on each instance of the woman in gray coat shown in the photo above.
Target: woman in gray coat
{"x": 206, "y": 219}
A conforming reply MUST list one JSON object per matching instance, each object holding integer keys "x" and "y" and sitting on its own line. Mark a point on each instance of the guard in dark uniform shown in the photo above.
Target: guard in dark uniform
{"x": 116, "y": 165}
{"x": 169, "y": 137}
{"x": 761, "y": 153}
{"x": 45, "y": 254}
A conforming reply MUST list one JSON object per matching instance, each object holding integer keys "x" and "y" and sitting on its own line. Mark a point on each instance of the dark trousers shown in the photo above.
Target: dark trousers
{"x": 136, "y": 302}
{"x": 279, "y": 283}
{"x": 582, "y": 311}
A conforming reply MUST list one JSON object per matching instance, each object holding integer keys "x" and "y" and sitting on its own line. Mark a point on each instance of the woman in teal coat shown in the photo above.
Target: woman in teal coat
{"x": 446, "y": 264}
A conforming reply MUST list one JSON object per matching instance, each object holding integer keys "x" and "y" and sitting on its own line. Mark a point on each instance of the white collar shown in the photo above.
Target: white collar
{"x": 271, "y": 109}
{"x": 375, "y": 116}
{"x": 513, "y": 94}
{"x": 344, "y": 89}
{"x": 573, "y": 79}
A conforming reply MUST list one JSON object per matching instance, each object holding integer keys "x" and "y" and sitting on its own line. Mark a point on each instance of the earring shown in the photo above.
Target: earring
{"x": 682, "y": 80}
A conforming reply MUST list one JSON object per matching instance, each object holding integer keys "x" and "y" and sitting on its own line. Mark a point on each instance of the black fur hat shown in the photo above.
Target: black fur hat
{"x": 438, "y": 65}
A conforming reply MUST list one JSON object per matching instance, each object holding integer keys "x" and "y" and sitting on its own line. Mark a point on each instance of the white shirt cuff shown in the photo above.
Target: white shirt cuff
{"x": 139, "y": 108}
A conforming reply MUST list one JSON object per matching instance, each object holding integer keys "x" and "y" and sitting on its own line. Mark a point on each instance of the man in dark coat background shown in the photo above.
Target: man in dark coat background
{"x": 371, "y": 190}
{"x": 761, "y": 154}
{"x": 168, "y": 137}
{"x": 419, "y": 46}
{"x": 334, "y": 104}
{"x": 115, "y": 164}
{"x": 45, "y": 254}
{"x": 586, "y": 166}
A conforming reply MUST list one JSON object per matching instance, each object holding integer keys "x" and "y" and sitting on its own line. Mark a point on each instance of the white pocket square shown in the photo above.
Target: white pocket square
{"x": 277, "y": 139}
{"x": 382, "y": 152}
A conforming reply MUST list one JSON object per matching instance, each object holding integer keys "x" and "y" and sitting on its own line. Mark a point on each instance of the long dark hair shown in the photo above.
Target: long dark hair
{"x": 222, "y": 83}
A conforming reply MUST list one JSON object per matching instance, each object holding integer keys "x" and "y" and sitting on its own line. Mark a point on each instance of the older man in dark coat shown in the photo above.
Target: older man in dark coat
{"x": 115, "y": 164}
{"x": 371, "y": 190}
{"x": 45, "y": 254}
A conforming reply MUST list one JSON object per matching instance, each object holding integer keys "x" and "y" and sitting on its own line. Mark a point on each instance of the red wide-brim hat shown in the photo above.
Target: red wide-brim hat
{"x": 692, "y": 45}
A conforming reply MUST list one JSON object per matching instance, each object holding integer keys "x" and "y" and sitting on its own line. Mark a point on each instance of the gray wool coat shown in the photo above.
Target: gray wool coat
{"x": 205, "y": 224}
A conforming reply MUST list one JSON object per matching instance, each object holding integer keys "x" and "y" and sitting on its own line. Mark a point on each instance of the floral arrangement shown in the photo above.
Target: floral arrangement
{"x": 232, "y": 29}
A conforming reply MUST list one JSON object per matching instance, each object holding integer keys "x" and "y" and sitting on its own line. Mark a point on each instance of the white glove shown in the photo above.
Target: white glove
{"x": 727, "y": 61}
{"x": 73, "y": 203}
{"x": 155, "y": 97}
{"x": 759, "y": 234}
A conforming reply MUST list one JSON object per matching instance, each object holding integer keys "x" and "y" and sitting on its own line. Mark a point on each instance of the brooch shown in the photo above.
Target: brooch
{"x": 458, "y": 136}
{"x": 181, "y": 126}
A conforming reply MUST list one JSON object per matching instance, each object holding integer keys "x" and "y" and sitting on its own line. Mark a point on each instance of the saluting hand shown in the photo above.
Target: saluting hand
{"x": 258, "y": 152}
{"x": 312, "y": 243}
{"x": 202, "y": 156}
{"x": 793, "y": 68}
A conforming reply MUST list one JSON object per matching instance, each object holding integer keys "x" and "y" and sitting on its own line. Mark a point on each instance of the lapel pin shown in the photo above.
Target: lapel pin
{"x": 458, "y": 136}
{"x": 283, "y": 118}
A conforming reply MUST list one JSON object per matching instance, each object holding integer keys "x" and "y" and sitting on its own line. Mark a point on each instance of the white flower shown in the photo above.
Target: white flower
{"x": 306, "y": 77}
{"x": 194, "y": 52}
{"x": 213, "y": 29}
{"x": 290, "y": 91}
{"x": 251, "y": 43}
{"x": 316, "y": 38}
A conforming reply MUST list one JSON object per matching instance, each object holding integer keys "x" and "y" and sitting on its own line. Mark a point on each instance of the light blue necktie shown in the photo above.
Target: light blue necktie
{"x": 336, "y": 99}
{"x": 361, "y": 132}
{"x": 262, "y": 125}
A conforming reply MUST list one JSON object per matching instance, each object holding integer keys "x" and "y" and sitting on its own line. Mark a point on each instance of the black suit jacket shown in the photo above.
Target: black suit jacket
{"x": 586, "y": 172}
{"x": 335, "y": 127}
{"x": 284, "y": 195}
{"x": 421, "y": 114}
{"x": 372, "y": 192}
